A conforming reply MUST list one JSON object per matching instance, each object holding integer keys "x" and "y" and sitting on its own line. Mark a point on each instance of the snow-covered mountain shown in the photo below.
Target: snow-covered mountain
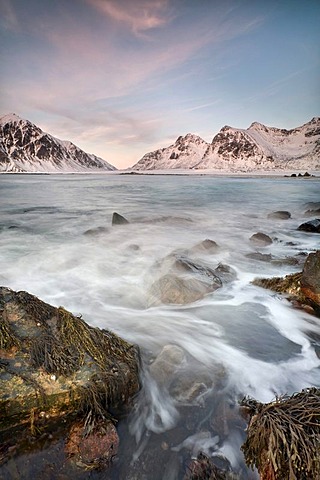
{"x": 24, "y": 147}
{"x": 242, "y": 150}
{"x": 186, "y": 152}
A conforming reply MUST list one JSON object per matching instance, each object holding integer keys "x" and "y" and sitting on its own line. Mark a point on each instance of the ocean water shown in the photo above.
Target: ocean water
{"x": 57, "y": 242}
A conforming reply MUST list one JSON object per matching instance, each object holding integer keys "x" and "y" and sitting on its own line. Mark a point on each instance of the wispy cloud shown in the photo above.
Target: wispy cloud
{"x": 139, "y": 15}
{"x": 9, "y": 19}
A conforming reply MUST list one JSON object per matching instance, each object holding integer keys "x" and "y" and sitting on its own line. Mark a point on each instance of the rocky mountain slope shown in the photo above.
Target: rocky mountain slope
{"x": 242, "y": 150}
{"x": 24, "y": 147}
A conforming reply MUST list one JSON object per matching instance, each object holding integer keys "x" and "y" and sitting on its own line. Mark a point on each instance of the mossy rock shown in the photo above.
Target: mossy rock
{"x": 53, "y": 363}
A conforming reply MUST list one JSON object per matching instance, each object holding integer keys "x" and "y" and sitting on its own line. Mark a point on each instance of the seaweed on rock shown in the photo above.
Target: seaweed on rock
{"x": 283, "y": 439}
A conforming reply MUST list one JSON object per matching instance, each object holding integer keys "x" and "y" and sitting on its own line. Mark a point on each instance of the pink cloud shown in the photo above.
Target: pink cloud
{"x": 139, "y": 15}
{"x": 9, "y": 17}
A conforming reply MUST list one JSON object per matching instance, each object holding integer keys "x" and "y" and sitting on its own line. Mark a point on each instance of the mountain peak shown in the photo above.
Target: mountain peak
{"x": 26, "y": 148}
{"x": 10, "y": 118}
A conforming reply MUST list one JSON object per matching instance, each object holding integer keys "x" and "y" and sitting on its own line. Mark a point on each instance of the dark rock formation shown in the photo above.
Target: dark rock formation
{"x": 118, "y": 219}
{"x": 311, "y": 226}
{"x": 261, "y": 239}
{"x": 53, "y": 364}
{"x": 302, "y": 287}
{"x": 310, "y": 280}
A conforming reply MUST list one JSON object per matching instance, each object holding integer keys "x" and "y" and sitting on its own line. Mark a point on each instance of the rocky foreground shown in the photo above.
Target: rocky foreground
{"x": 55, "y": 368}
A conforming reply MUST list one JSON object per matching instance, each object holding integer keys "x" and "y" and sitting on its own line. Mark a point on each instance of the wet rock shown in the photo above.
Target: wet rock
{"x": 209, "y": 246}
{"x": 182, "y": 280}
{"x": 193, "y": 381}
{"x": 310, "y": 280}
{"x": 261, "y": 257}
{"x": 226, "y": 273}
{"x": 166, "y": 364}
{"x": 96, "y": 231}
{"x": 54, "y": 364}
{"x": 118, "y": 219}
{"x": 312, "y": 226}
{"x": 290, "y": 284}
{"x": 94, "y": 450}
{"x": 280, "y": 215}
{"x": 287, "y": 261}
{"x": 172, "y": 289}
{"x": 203, "y": 468}
{"x": 261, "y": 239}
{"x": 312, "y": 212}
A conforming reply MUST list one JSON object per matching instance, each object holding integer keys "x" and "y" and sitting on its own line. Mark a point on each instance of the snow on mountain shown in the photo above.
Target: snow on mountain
{"x": 186, "y": 152}
{"x": 258, "y": 148}
{"x": 24, "y": 147}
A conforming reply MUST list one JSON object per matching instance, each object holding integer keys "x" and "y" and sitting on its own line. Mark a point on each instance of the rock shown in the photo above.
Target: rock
{"x": 312, "y": 212}
{"x": 311, "y": 226}
{"x": 226, "y": 273}
{"x": 166, "y": 364}
{"x": 94, "y": 450}
{"x": 96, "y": 231}
{"x": 53, "y": 364}
{"x": 290, "y": 284}
{"x": 183, "y": 281}
{"x": 310, "y": 280}
{"x": 261, "y": 257}
{"x": 207, "y": 245}
{"x": 280, "y": 215}
{"x": 261, "y": 239}
{"x": 203, "y": 468}
{"x": 172, "y": 289}
{"x": 118, "y": 219}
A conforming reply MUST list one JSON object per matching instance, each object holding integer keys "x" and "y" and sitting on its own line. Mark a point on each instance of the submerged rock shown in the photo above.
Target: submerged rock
{"x": 93, "y": 450}
{"x": 203, "y": 468}
{"x": 172, "y": 289}
{"x": 118, "y": 219}
{"x": 166, "y": 364}
{"x": 96, "y": 231}
{"x": 312, "y": 226}
{"x": 261, "y": 257}
{"x": 261, "y": 239}
{"x": 184, "y": 280}
{"x": 280, "y": 215}
{"x": 54, "y": 364}
{"x": 207, "y": 245}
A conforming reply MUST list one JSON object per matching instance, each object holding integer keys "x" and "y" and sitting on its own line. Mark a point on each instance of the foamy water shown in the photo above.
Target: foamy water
{"x": 263, "y": 346}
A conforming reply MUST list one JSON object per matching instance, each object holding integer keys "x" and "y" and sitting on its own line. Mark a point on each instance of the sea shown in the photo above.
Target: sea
{"x": 57, "y": 242}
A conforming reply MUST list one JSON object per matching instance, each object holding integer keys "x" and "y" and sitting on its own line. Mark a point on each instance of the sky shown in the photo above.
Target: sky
{"x": 120, "y": 78}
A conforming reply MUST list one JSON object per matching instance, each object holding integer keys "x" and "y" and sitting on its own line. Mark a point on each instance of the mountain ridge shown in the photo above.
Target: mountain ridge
{"x": 258, "y": 147}
{"x": 25, "y": 148}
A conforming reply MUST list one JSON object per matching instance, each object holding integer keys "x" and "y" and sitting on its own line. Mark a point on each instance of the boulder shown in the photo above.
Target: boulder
{"x": 166, "y": 364}
{"x": 118, "y": 219}
{"x": 280, "y": 215}
{"x": 207, "y": 245}
{"x": 312, "y": 226}
{"x": 261, "y": 239}
{"x": 172, "y": 289}
{"x": 261, "y": 257}
{"x": 54, "y": 364}
{"x": 310, "y": 280}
